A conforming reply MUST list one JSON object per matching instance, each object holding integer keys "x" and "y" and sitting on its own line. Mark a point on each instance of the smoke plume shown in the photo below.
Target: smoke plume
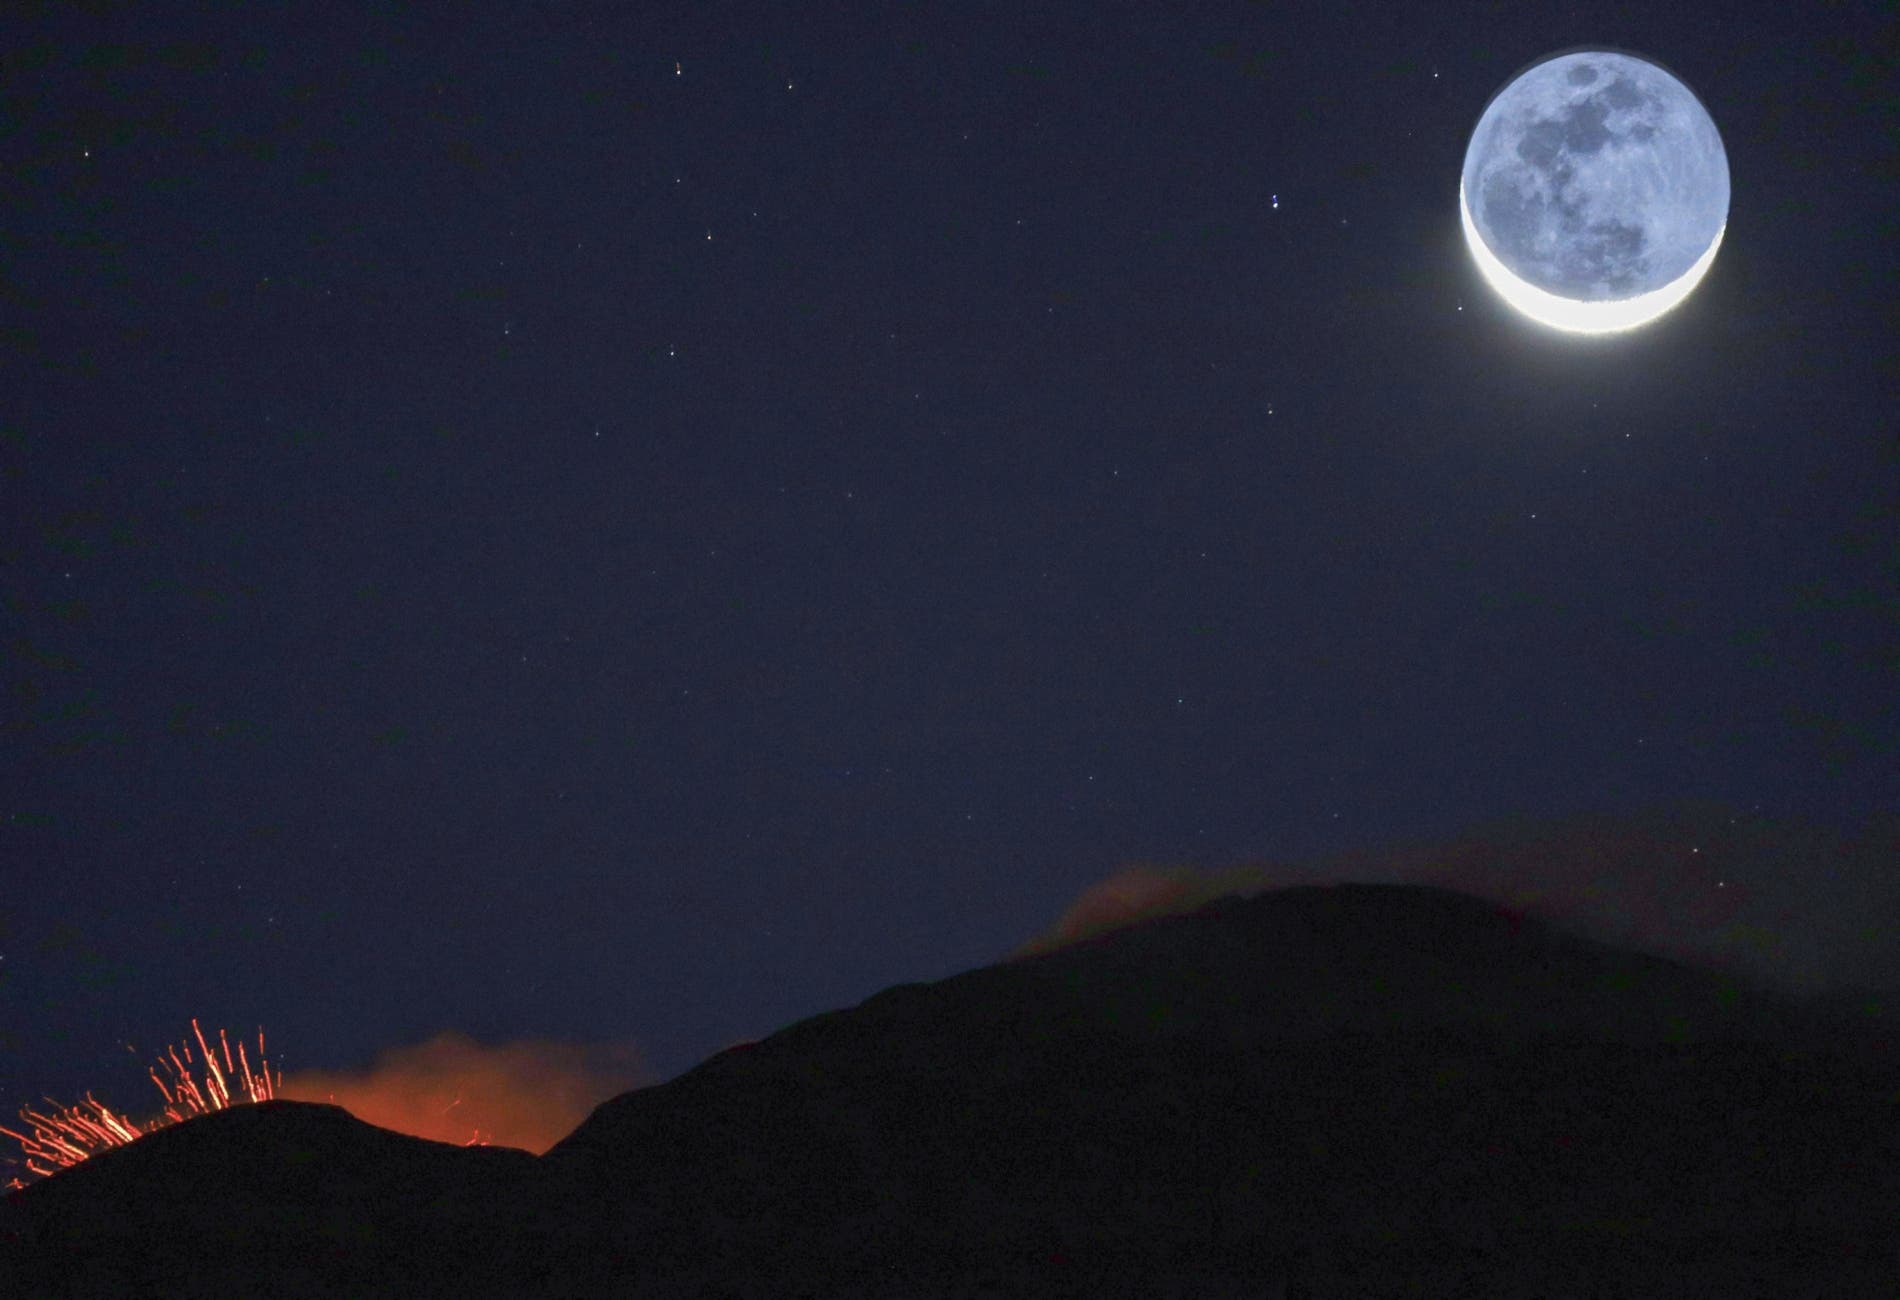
{"x": 1797, "y": 908}
{"x": 528, "y": 1094}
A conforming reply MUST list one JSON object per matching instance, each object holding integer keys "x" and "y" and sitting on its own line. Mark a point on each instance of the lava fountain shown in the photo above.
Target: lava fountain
{"x": 71, "y": 1134}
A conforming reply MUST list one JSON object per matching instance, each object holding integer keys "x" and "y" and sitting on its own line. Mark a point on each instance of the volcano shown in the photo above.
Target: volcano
{"x": 1355, "y": 1090}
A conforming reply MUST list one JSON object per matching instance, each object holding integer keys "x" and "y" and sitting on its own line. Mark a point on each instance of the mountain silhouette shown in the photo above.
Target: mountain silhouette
{"x": 1355, "y": 1090}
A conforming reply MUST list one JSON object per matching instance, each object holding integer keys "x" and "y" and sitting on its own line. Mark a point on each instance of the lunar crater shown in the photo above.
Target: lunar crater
{"x": 1594, "y": 179}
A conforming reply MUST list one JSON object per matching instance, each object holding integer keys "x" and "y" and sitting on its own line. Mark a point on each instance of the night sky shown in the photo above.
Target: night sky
{"x": 581, "y": 525}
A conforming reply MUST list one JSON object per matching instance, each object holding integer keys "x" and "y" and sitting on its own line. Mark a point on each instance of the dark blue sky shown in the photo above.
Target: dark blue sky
{"x": 567, "y": 521}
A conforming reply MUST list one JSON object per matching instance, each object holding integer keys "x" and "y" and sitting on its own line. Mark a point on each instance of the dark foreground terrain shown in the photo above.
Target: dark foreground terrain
{"x": 1354, "y": 1091}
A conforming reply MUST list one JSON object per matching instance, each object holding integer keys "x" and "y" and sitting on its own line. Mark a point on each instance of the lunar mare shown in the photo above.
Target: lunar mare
{"x": 1595, "y": 192}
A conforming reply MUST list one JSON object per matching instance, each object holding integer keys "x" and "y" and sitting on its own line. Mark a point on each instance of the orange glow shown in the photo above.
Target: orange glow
{"x": 69, "y": 1134}
{"x": 528, "y": 1094}
{"x": 1135, "y": 893}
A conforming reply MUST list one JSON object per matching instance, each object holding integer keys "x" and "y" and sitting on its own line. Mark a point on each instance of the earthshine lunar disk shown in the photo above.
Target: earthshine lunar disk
{"x": 1595, "y": 192}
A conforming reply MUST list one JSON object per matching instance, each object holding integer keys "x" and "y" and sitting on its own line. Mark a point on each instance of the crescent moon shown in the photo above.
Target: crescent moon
{"x": 1605, "y": 316}
{"x": 1601, "y": 191}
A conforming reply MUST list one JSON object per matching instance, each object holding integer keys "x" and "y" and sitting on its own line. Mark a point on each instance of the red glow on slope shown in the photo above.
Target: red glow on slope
{"x": 1141, "y": 892}
{"x": 528, "y": 1094}
{"x": 1133, "y": 894}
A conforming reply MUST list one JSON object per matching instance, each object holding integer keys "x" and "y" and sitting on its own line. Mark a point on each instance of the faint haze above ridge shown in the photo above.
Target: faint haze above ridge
{"x": 1702, "y": 884}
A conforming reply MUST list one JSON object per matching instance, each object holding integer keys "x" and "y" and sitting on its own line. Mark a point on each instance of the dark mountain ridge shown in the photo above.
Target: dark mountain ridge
{"x": 1353, "y": 1090}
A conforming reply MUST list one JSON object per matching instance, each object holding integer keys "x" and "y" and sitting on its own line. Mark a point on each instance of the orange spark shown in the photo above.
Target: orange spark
{"x": 69, "y": 1134}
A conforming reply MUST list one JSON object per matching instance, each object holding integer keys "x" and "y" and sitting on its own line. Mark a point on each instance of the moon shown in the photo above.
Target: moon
{"x": 1595, "y": 192}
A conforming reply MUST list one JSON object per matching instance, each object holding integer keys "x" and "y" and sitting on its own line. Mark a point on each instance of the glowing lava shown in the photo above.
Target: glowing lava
{"x": 70, "y": 1134}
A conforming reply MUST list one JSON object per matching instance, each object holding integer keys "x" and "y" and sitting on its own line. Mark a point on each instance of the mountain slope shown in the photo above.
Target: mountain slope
{"x": 1358, "y": 1090}
{"x": 1243, "y": 1084}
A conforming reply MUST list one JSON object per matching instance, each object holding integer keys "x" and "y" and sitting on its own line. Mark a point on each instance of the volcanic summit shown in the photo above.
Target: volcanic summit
{"x": 1354, "y": 1090}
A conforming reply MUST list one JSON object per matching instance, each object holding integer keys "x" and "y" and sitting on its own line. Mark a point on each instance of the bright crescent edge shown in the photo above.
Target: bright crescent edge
{"x": 1606, "y": 316}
